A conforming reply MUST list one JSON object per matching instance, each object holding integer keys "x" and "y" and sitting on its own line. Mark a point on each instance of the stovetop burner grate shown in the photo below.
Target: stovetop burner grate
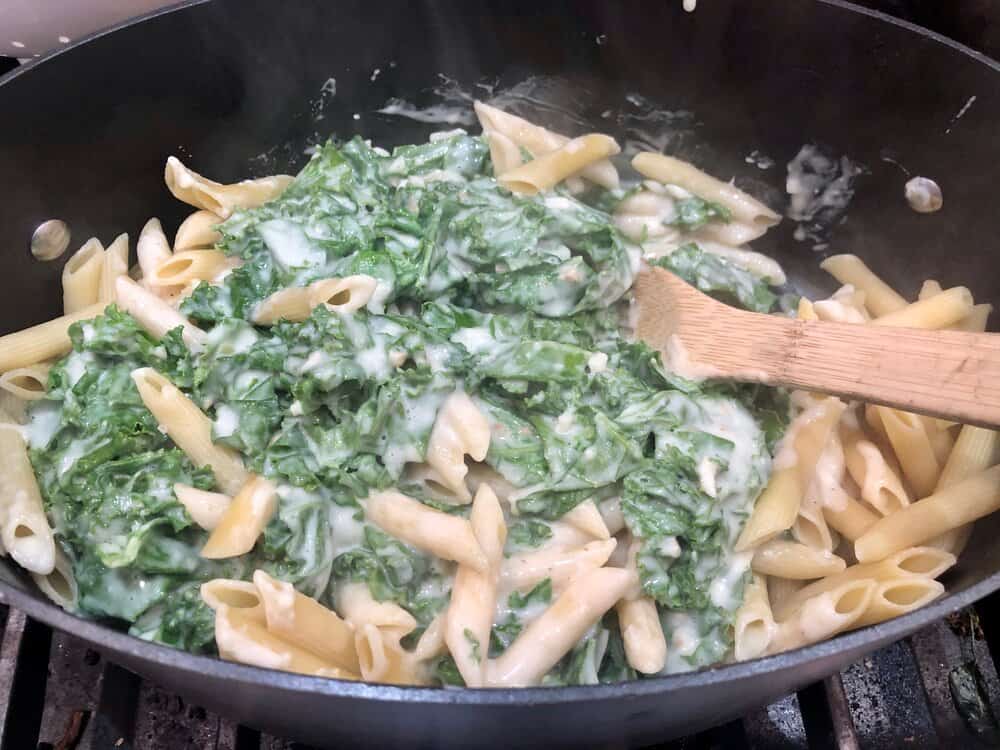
{"x": 938, "y": 688}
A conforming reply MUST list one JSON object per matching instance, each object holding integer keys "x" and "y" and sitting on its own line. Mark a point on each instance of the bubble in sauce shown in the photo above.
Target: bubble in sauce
{"x": 924, "y": 195}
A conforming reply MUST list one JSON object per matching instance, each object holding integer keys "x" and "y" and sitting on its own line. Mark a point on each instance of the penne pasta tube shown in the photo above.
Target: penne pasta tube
{"x": 849, "y": 518}
{"x": 292, "y": 304}
{"x": 880, "y": 486}
{"x": 929, "y": 289}
{"x": 780, "y": 590}
{"x": 197, "y": 231}
{"x": 154, "y": 314}
{"x": 304, "y": 622}
{"x": 191, "y": 188}
{"x": 910, "y": 442}
{"x": 946, "y": 509}
{"x": 897, "y": 597}
{"x": 24, "y": 529}
{"x": 522, "y": 572}
{"x": 474, "y": 593}
{"x": 548, "y": 170}
{"x": 671, "y": 171}
{"x": 976, "y": 321}
{"x": 441, "y": 534}
{"x": 460, "y": 429}
{"x": 806, "y": 310}
{"x": 43, "y": 341}
{"x": 810, "y": 528}
{"x": 431, "y": 644}
{"x": 939, "y": 311}
{"x": 796, "y": 561}
{"x": 152, "y": 249}
{"x": 754, "y": 626}
{"x": 241, "y": 596}
{"x": 246, "y": 641}
{"x": 587, "y": 518}
{"x": 26, "y": 383}
{"x": 342, "y": 295}
{"x": 81, "y": 277}
{"x": 642, "y": 634}
{"x": 244, "y": 520}
{"x": 382, "y": 658}
{"x": 926, "y": 562}
{"x": 190, "y": 429}
{"x": 504, "y": 153}
{"x": 186, "y": 267}
{"x": 880, "y": 298}
{"x": 537, "y": 141}
{"x": 115, "y": 265}
{"x": 824, "y": 615}
{"x": 553, "y": 633}
{"x": 59, "y": 585}
{"x": 358, "y": 607}
{"x": 205, "y": 508}
{"x": 941, "y": 439}
{"x": 611, "y": 513}
{"x": 794, "y": 465}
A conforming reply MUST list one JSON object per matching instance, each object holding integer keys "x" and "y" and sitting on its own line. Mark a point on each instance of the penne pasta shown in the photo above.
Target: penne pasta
{"x": 26, "y": 383}
{"x": 186, "y": 267}
{"x": 191, "y": 188}
{"x": 152, "y": 250}
{"x": 342, "y": 295}
{"x": 939, "y": 311}
{"x": 305, "y": 623}
{"x": 522, "y": 572}
{"x": 241, "y": 596}
{"x": 587, "y": 518}
{"x": 190, "y": 429}
{"x": 25, "y": 531}
{"x": 976, "y": 321}
{"x": 880, "y": 298}
{"x": 431, "y": 530}
{"x": 910, "y": 442}
{"x": 292, "y": 304}
{"x": 358, "y": 607}
{"x": 671, "y": 171}
{"x": 948, "y": 508}
{"x": 810, "y": 528}
{"x": 639, "y": 622}
{"x": 929, "y": 289}
{"x": 205, "y": 508}
{"x": 549, "y": 637}
{"x": 460, "y": 429}
{"x": 504, "y": 153}
{"x": 81, "y": 277}
{"x": 548, "y": 170}
{"x": 115, "y": 265}
{"x": 59, "y": 585}
{"x": 880, "y": 486}
{"x": 155, "y": 315}
{"x": 897, "y": 597}
{"x": 382, "y": 658}
{"x": 824, "y": 615}
{"x": 244, "y": 520}
{"x": 197, "y": 231}
{"x": 850, "y": 518}
{"x": 754, "y": 625}
{"x": 796, "y": 561}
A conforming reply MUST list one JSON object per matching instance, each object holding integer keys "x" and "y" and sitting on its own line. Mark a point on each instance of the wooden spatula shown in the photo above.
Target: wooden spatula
{"x": 949, "y": 374}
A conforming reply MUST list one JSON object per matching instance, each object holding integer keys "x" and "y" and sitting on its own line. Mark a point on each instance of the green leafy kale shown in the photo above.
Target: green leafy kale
{"x": 719, "y": 278}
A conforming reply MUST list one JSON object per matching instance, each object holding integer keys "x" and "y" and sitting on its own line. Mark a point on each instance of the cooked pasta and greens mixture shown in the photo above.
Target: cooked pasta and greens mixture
{"x": 387, "y": 420}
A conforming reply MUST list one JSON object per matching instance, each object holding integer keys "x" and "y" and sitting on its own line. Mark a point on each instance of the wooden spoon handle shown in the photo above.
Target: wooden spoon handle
{"x": 949, "y": 374}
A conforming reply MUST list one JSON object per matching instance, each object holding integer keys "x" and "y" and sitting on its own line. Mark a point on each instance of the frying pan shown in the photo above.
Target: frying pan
{"x": 235, "y": 88}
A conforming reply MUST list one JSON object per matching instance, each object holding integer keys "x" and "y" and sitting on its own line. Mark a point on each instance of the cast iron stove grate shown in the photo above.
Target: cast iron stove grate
{"x": 938, "y": 688}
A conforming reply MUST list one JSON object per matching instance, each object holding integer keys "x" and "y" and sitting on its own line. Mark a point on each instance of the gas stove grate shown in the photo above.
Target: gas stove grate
{"x": 58, "y": 694}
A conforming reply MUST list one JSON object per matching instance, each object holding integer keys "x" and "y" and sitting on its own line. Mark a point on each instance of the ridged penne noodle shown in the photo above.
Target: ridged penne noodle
{"x": 948, "y": 508}
{"x": 431, "y": 644}
{"x": 115, "y": 265}
{"x": 939, "y": 311}
{"x": 643, "y": 216}
{"x": 778, "y": 505}
{"x": 847, "y": 305}
{"x": 59, "y": 585}
{"x": 780, "y": 590}
{"x": 241, "y": 596}
{"x": 537, "y": 141}
{"x": 292, "y": 304}
{"x": 152, "y": 250}
{"x": 587, "y": 518}
{"x": 342, "y": 295}
{"x": 880, "y": 298}
{"x": 824, "y": 615}
{"x": 849, "y": 517}
{"x": 910, "y": 442}
{"x": 205, "y": 508}
{"x": 974, "y": 450}
{"x": 197, "y": 231}
{"x": 926, "y": 562}
{"x": 810, "y": 528}
{"x": 460, "y": 430}
{"x": 976, "y": 321}
{"x": 754, "y": 626}
{"x": 796, "y": 561}
{"x": 548, "y": 170}
{"x": 942, "y": 439}
{"x": 670, "y": 171}
{"x": 553, "y": 633}
{"x": 356, "y": 604}
{"x": 441, "y": 534}
{"x": 522, "y": 572}
{"x": 928, "y": 289}
{"x": 190, "y": 429}
{"x": 43, "y": 341}
{"x": 806, "y": 310}
{"x": 246, "y": 641}
{"x": 188, "y": 266}
{"x": 474, "y": 592}
{"x": 383, "y": 659}
{"x": 731, "y": 233}
{"x": 244, "y": 520}
{"x": 304, "y": 622}
{"x": 879, "y": 484}
{"x": 504, "y": 153}
{"x": 897, "y": 597}
{"x": 81, "y": 277}
{"x": 26, "y": 383}
{"x": 639, "y": 622}
{"x": 24, "y": 529}
{"x": 154, "y": 314}
{"x": 191, "y": 188}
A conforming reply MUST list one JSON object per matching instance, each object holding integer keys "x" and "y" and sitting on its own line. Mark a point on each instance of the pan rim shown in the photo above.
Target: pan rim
{"x": 195, "y": 665}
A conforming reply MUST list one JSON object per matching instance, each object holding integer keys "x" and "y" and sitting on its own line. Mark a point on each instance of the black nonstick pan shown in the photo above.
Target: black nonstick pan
{"x": 241, "y": 88}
